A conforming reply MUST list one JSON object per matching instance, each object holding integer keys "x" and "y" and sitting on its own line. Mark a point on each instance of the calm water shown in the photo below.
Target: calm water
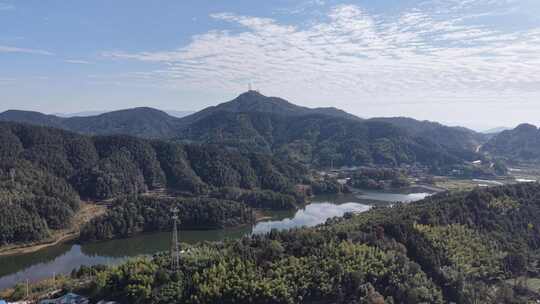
{"x": 63, "y": 258}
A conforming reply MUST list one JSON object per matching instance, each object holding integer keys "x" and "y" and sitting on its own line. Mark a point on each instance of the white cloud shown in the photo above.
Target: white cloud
{"x": 360, "y": 58}
{"x": 11, "y": 49}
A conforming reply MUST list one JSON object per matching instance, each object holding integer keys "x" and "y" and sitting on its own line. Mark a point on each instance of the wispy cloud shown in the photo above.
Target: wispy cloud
{"x": 77, "y": 61}
{"x": 421, "y": 54}
{"x": 303, "y": 7}
{"x": 11, "y": 49}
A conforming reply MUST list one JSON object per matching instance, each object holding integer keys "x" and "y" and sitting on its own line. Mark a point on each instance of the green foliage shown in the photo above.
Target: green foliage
{"x": 131, "y": 215}
{"x": 52, "y": 168}
{"x": 475, "y": 260}
{"x": 260, "y": 199}
{"x": 327, "y": 186}
{"x": 503, "y": 204}
{"x": 130, "y": 282}
{"x": 32, "y": 201}
{"x": 375, "y": 178}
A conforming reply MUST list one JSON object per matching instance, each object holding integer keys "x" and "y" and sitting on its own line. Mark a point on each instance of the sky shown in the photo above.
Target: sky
{"x": 474, "y": 63}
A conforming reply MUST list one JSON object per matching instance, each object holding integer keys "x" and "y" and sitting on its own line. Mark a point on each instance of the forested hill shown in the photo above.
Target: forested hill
{"x": 43, "y": 171}
{"x": 255, "y": 102}
{"x": 323, "y": 140}
{"x": 519, "y": 144}
{"x": 141, "y": 122}
{"x": 474, "y": 247}
{"x": 457, "y": 138}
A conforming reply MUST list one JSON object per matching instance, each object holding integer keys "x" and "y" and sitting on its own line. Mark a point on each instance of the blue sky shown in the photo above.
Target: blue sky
{"x": 469, "y": 62}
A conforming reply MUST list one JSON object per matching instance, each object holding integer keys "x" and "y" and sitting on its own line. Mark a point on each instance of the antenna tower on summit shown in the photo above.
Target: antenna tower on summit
{"x": 251, "y": 89}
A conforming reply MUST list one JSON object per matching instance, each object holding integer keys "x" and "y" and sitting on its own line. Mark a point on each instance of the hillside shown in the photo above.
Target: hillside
{"x": 519, "y": 144}
{"x": 31, "y": 117}
{"x": 323, "y": 140}
{"x": 470, "y": 247}
{"x": 141, "y": 122}
{"x": 45, "y": 171}
{"x": 255, "y": 102}
{"x": 453, "y": 138}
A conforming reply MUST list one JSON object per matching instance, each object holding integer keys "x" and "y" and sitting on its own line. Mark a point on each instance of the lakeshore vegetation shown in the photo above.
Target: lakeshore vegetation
{"x": 467, "y": 247}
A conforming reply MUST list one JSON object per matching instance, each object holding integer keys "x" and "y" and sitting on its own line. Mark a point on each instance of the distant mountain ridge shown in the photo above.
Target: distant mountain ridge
{"x": 496, "y": 130}
{"x": 32, "y": 117}
{"x": 254, "y": 122}
{"x": 450, "y": 137}
{"x": 178, "y": 114}
{"x": 519, "y": 144}
{"x": 152, "y": 123}
{"x": 142, "y": 122}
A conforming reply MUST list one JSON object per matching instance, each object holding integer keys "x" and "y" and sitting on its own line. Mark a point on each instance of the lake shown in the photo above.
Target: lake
{"x": 63, "y": 258}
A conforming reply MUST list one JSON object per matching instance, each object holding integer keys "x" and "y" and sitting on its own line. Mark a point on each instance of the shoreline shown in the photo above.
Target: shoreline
{"x": 25, "y": 249}
{"x": 73, "y": 235}
{"x": 88, "y": 211}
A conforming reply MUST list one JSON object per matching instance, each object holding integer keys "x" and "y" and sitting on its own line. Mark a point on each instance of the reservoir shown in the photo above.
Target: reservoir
{"x": 63, "y": 258}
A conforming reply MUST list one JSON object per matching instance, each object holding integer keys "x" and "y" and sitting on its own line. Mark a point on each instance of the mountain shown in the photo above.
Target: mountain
{"x": 31, "y": 117}
{"x": 151, "y": 123}
{"x": 254, "y": 122}
{"x": 142, "y": 122}
{"x": 253, "y": 101}
{"x": 519, "y": 144}
{"x": 452, "y": 138}
{"x": 323, "y": 140}
{"x": 318, "y": 136}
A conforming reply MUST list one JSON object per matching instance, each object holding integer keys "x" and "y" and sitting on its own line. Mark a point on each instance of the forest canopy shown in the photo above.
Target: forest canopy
{"x": 44, "y": 172}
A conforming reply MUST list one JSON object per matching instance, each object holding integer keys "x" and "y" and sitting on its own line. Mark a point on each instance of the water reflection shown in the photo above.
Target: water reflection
{"x": 64, "y": 263}
{"x": 147, "y": 244}
{"x": 392, "y": 197}
{"x": 310, "y": 216}
{"x": 11, "y": 264}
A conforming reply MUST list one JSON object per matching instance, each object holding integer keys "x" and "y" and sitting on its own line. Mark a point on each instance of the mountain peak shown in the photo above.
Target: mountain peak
{"x": 526, "y": 127}
{"x": 254, "y": 102}
{"x": 250, "y": 93}
{"x": 253, "y": 97}
{"x": 137, "y": 110}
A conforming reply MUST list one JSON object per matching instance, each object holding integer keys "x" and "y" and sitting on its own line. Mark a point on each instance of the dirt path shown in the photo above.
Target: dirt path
{"x": 88, "y": 211}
